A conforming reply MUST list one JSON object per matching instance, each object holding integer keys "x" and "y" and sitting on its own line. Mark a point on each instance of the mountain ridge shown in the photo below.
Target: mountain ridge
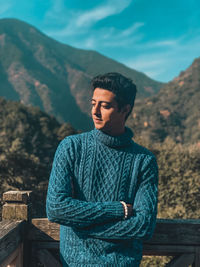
{"x": 173, "y": 112}
{"x": 38, "y": 70}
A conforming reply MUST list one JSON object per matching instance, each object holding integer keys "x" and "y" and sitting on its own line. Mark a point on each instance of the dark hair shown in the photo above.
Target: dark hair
{"x": 123, "y": 87}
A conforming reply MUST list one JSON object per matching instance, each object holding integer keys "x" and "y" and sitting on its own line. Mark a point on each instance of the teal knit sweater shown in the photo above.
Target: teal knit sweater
{"x": 92, "y": 172}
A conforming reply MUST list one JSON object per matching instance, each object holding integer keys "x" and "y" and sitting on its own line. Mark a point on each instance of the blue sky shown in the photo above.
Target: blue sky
{"x": 159, "y": 38}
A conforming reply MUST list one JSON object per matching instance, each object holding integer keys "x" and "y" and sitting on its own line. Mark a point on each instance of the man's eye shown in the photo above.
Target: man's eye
{"x": 106, "y": 106}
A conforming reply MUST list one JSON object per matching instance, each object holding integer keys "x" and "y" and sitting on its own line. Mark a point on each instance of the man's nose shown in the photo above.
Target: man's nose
{"x": 96, "y": 110}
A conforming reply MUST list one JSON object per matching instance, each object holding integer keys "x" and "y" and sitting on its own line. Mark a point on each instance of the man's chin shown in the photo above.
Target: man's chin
{"x": 99, "y": 126}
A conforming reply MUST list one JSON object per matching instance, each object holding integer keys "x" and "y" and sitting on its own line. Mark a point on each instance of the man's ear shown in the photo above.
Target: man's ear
{"x": 126, "y": 109}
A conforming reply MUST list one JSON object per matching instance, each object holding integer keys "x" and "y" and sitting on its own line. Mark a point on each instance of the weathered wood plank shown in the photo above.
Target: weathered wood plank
{"x": 183, "y": 260}
{"x": 175, "y": 232}
{"x": 6, "y": 226}
{"x": 17, "y": 196}
{"x": 180, "y": 232}
{"x": 43, "y": 229}
{"x": 15, "y": 259}
{"x": 167, "y": 250}
{"x": 11, "y": 235}
{"x": 16, "y": 211}
{"x": 47, "y": 259}
{"x": 18, "y": 205}
{"x": 148, "y": 249}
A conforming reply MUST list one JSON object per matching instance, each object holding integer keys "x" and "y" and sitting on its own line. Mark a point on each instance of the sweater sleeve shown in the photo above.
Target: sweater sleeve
{"x": 142, "y": 223}
{"x": 62, "y": 208}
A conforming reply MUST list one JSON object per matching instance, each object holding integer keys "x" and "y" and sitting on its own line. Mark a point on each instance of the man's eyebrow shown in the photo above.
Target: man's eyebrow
{"x": 107, "y": 102}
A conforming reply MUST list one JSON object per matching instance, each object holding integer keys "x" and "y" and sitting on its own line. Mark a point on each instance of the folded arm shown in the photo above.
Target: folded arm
{"x": 142, "y": 223}
{"x": 62, "y": 208}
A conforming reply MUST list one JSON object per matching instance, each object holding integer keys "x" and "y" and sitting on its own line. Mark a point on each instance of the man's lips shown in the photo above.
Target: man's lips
{"x": 97, "y": 120}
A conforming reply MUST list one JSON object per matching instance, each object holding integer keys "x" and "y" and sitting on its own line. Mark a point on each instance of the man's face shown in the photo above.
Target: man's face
{"x": 105, "y": 112}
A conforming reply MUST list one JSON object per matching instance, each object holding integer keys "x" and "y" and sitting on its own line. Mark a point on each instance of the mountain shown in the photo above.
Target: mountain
{"x": 28, "y": 140}
{"x": 40, "y": 71}
{"x": 173, "y": 112}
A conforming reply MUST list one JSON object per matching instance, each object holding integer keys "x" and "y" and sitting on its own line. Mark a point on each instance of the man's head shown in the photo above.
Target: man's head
{"x": 112, "y": 102}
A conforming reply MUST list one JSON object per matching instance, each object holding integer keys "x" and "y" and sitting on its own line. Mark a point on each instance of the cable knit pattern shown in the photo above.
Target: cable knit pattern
{"x": 92, "y": 172}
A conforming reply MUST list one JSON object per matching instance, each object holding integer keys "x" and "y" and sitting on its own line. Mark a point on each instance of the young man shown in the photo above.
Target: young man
{"x": 103, "y": 186}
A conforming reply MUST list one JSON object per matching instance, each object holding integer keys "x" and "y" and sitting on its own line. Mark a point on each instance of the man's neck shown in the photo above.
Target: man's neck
{"x": 115, "y": 133}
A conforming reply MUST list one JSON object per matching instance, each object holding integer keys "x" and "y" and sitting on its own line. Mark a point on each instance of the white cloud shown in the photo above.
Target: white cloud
{"x": 152, "y": 65}
{"x": 160, "y": 44}
{"x": 5, "y": 6}
{"x": 57, "y": 12}
{"x": 123, "y": 38}
{"x": 131, "y": 30}
{"x": 146, "y": 62}
{"x": 57, "y": 6}
{"x": 100, "y": 12}
{"x": 89, "y": 43}
{"x": 78, "y": 29}
{"x": 154, "y": 74}
{"x": 166, "y": 62}
{"x": 158, "y": 58}
{"x": 79, "y": 21}
{"x": 166, "y": 43}
{"x": 112, "y": 37}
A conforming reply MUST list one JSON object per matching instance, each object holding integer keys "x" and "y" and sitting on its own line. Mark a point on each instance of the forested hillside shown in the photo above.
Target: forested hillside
{"x": 174, "y": 112}
{"x": 179, "y": 179}
{"x": 28, "y": 140}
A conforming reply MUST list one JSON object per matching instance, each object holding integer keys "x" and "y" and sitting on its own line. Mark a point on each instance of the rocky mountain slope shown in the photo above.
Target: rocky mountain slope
{"x": 174, "y": 112}
{"x": 40, "y": 71}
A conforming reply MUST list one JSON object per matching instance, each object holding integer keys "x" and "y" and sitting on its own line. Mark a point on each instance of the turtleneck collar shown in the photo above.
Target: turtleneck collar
{"x": 122, "y": 140}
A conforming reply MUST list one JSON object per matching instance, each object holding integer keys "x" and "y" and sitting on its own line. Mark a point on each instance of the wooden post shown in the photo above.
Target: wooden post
{"x": 17, "y": 205}
{"x": 197, "y": 258}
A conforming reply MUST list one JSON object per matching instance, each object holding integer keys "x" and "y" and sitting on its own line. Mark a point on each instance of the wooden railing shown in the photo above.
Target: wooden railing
{"x": 25, "y": 242}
